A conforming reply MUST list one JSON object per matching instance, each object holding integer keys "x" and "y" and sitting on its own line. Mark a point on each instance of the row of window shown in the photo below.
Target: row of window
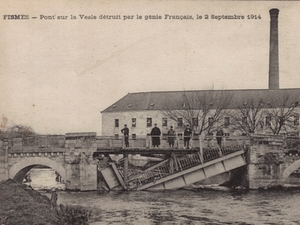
{"x": 210, "y": 121}
{"x": 164, "y": 122}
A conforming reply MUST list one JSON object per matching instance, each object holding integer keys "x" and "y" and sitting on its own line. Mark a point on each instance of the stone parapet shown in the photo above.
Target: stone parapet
{"x": 36, "y": 149}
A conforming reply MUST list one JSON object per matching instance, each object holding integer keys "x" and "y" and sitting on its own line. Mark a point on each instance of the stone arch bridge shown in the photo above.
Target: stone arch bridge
{"x": 270, "y": 159}
{"x": 70, "y": 155}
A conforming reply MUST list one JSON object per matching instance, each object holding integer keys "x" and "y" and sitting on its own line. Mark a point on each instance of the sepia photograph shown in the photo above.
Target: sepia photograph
{"x": 149, "y": 112}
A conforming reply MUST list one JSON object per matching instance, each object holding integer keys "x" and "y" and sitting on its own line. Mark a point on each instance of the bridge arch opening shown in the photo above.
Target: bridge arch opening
{"x": 291, "y": 174}
{"x": 20, "y": 169}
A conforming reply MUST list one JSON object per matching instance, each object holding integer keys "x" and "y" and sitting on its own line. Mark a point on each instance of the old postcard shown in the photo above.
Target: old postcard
{"x": 74, "y": 72}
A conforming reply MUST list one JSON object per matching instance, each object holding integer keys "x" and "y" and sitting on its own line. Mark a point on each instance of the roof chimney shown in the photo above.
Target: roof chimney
{"x": 274, "y": 62}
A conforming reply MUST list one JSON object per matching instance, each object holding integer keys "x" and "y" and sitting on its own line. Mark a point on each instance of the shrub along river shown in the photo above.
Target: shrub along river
{"x": 180, "y": 206}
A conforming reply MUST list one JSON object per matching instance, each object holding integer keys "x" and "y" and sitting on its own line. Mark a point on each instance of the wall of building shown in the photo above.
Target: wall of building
{"x": 109, "y": 129}
{"x": 141, "y": 128}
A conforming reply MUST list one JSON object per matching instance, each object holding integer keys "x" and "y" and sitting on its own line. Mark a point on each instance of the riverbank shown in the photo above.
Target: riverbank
{"x": 21, "y": 205}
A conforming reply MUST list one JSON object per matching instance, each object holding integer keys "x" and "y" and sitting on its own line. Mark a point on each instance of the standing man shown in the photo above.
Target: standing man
{"x": 155, "y": 133}
{"x": 171, "y": 137}
{"x": 125, "y": 131}
{"x": 219, "y": 136}
{"x": 187, "y": 136}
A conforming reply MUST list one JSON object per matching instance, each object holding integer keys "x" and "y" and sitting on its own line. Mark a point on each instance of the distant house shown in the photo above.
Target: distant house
{"x": 140, "y": 111}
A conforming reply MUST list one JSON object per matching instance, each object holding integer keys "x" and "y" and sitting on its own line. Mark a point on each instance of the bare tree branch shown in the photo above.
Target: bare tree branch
{"x": 247, "y": 117}
{"x": 281, "y": 112}
{"x": 196, "y": 107}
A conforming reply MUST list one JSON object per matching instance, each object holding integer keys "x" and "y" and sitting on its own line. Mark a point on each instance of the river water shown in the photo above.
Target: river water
{"x": 179, "y": 207}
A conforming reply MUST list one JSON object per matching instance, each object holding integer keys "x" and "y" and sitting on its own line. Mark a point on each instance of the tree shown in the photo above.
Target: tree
{"x": 281, "y": 113}
{"x": 3, "y": 134}
{"x": 20, "y": 131}
{"x": 202, "y": 110}
{"x": 248, "y": 116}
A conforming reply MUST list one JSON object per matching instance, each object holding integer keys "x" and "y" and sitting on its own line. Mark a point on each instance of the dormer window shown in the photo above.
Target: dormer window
{"x": 129, "y": 105}
{"x": 152, "y": 104}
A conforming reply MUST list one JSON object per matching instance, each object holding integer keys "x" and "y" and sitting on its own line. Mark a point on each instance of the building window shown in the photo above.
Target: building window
{"x": 164, "y": 122}
{"x": 133, "y": 136}
{"x": 149, "y": 122}
{"x": 244, "y": 120}
{"x": 226, "y": 121}
{"x": 180, "y": 136}
{"x": 261, "y": 124}
{"x": 116, "y": 136}
{"x": 179, "y": 122}
{"x": 133, "y": 124}
{"x": 268, "y": 120}
{"x": 281, "y": 120}
{"x": 210, "y": 121}
{"x": 116, "y": 122}
{"x": 296, "y": 120}
{"x": 195, "y": 122}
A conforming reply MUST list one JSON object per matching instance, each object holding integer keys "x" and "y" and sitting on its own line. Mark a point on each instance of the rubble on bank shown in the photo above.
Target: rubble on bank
{"x": 20, "y": 204}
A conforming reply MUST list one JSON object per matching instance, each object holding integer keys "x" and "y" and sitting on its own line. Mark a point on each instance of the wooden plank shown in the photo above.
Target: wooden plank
{"x": 113, "y": 165}
{"x": 109, "y": 177}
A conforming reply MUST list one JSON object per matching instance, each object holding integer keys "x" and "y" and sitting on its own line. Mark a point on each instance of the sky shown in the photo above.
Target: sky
{"x": 58, "y": 75}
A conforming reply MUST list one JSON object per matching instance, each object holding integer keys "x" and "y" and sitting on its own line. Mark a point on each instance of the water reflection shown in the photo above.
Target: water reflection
{"x": 189, "y": 207}
{"x": 44, "y": 179}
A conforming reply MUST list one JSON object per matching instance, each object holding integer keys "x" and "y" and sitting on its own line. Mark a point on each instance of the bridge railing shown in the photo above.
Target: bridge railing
{"x": 177, "y": 164}
{"x": 140, "y": 142}
{"x": 147, "y": 141}
{"x": 210, "y": 154}
{"x": 38, "y": 140}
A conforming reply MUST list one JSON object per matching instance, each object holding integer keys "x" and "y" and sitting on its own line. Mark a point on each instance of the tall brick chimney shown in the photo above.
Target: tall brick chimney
{"x": 274, "y": 61}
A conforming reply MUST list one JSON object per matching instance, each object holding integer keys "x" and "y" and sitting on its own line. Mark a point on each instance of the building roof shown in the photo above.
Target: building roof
{"x": 142, "y": 101}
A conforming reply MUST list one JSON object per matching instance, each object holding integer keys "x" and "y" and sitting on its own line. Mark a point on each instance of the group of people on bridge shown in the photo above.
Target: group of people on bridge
{"x": 156, "y": 133}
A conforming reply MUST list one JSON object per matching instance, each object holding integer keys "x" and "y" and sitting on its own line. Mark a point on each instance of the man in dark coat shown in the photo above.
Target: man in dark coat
{"x": 187, "y": 136}
{"x": 155, "y": 133}
{"x": 125, "y": 131}
{"x": 219, "y": 136}
{"x": 171, "y": 137}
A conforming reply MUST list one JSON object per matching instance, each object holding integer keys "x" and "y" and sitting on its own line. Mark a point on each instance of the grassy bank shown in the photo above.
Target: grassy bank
{"x": 21, "y": 205}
